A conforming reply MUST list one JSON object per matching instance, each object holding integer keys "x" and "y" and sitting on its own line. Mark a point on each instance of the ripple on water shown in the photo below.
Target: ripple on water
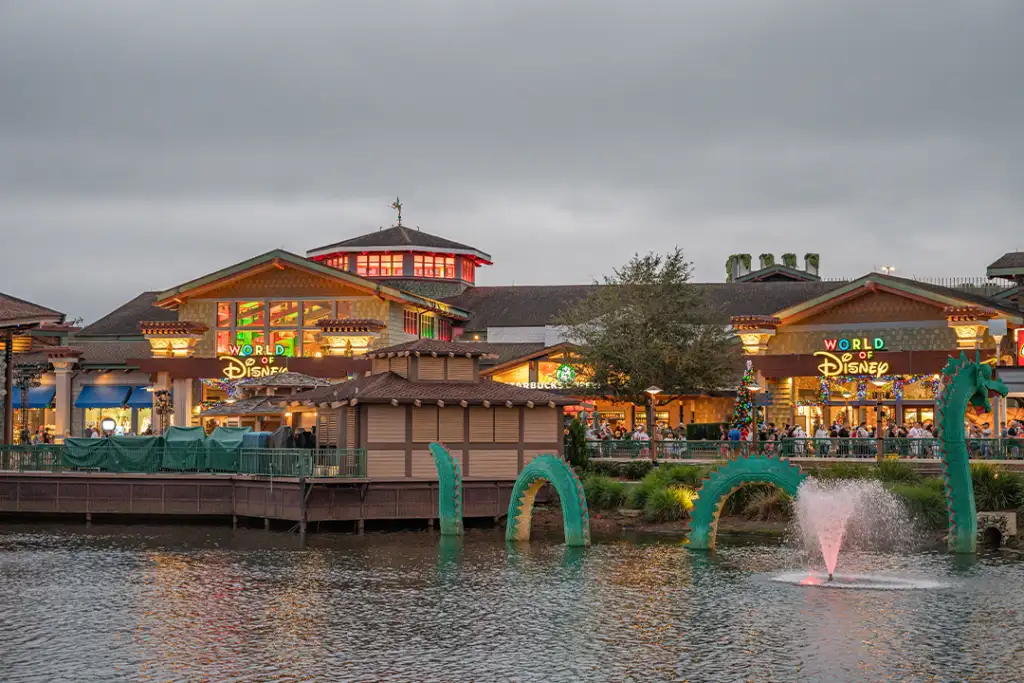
{"x": 192, "y": 604}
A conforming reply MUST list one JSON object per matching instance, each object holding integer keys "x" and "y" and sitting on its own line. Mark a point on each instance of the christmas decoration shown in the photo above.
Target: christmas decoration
{"x": 743, "y": 409}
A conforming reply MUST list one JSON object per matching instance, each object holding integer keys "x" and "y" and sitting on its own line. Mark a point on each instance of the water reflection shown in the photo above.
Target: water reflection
{"x": 186, "y": 605}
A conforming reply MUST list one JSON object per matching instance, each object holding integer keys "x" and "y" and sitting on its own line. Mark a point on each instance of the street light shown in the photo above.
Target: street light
{"x": 888, "y": 270}
{"x": 651, "y": 392}
{"x": 753, "y": 388}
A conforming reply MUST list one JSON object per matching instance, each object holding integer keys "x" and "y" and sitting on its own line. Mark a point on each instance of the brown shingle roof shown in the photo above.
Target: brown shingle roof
{"x": 428, "y": 347}
{"x": 502, "y": 352}
{"x": 387, "y": 386}
{"x": 260, "y": 405}
{"x": 398, "y": 236}
{"x": 124, "y": 320}
{"x": 13, "y": 309}
{"x": 284, "y": 379}
{"x": 536, "y": 306}
{"x": 111, "y": 352}
{"x": 1013, "y": 259}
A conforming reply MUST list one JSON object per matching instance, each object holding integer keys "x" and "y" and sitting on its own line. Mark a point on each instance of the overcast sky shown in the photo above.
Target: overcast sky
{"x": 145, "y": 143}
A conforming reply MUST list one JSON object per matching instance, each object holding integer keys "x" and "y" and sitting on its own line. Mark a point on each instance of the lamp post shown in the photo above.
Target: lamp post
{"x": 651, "y": 392}
{"x": 880, "y": 445}
{"x": 753, "y": 388}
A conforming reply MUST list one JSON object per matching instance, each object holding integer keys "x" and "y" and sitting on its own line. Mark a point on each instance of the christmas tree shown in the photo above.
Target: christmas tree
{"x": 744, "y": 406}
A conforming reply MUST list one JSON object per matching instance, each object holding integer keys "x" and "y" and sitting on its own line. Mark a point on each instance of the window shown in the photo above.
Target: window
{"x": 427, "y": 326}
{"x": 224, "y": 314}
{"x": 250, "y": 314}
{"x": 411, "y": 322}
{"x": 444, "y": 329}
{"x": 345, "y": 309}
{"x": 223, "y": 341}
{"x": 468, "y": 270}
{"x": 339, "y": 262}
{"x": 433, "y": 266}
{"x": 285, "y": 338}
{"x": 314, "y": 311}
{"x": 284, "y": 314}
{"x": 310, "y": 345}
{"x": 379, "y": 265}
{"x": 243, "y": 337}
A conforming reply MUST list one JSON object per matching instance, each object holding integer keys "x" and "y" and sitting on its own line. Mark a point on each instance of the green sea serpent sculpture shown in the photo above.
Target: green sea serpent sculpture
{"x": 449, "y": 490}
{"x": 724, "y": 481}
{"x": 965, "y": 383}
{"x": 553, "y": 469}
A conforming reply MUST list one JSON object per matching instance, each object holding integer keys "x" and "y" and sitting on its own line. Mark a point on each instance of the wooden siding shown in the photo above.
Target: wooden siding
{"x": 540, "y": 425}
{"x": 423, "y": 466}
{"x": 400, "y": 365}
{"x": 460, "y": 369}
{"x": 288, "y": 282}
{"x": 380, "y": 365}
{"x": 385, "y": 424}
{"x": 481, "y": 425}
{"x": 493, "y": 463}
{"x": 350, "y": 431}
{"x": 529, "y": 455}
{"x": 327, "y": 428}
{"x": 506, "y": 425}
{"x": 451, "y": 424}
{"x": 424, "y": 424}
{"x": 430, "y": 368}
{"x": 385, "y": 463}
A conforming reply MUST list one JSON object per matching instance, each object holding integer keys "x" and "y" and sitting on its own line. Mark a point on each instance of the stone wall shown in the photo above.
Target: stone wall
{"x": 927, "y": 337}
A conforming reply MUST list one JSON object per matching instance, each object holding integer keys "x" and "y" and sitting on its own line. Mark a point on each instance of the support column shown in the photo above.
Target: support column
{"x": 163, "y": 383}
{"x": 9, "y": 387}
{"x": 182, "y": 401}
{"x": 62, "y": 399}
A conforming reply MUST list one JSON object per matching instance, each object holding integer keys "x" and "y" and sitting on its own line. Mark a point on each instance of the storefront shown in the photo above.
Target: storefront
{"x": 36, "y": 412}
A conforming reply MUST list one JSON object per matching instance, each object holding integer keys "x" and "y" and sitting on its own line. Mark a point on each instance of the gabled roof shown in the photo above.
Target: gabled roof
{"x": 777, "y": 273}
{"x": 279, "y": 258}
{"x": 15, "y": 312}
{"x": 532, "y": 355}
{"x": 1008, "y": 265}
{"x": 285, "y": 380}
{"x": 400, "y": 238}
{"x": 428, "y": 347}
{"x": 386, "y": 387}
{"x": 938, "y": 295}
{"x": 258, "y": 405}
{"x": 124, "y": 320}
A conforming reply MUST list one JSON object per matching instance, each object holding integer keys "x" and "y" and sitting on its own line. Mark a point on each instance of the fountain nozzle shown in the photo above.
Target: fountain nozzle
{"x": 829, "y": 577}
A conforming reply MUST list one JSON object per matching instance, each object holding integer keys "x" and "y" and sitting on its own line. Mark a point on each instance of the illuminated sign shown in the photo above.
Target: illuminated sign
{"x": 855, "y": 344}
{"x": 245, "y": 350}
{"x": 247, "y": 367}
{"x": 861, "y": 363}
{"x": 565, "y": 374}
{"x": 547, "y": 386}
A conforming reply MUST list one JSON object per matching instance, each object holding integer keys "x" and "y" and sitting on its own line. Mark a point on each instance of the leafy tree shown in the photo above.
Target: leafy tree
{"x": 576, "y": 445}
{"x": 648, "y": 325}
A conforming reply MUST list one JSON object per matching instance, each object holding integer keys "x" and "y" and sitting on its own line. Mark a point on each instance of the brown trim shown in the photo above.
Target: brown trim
{"x": 198, "y": 368}
{"x": 362, "y": 419}
{"x": 408, "y": 440}
{"x": 465, "y": 438}
{"x": 522, "y": 435}
{"x": 540, "y": 353}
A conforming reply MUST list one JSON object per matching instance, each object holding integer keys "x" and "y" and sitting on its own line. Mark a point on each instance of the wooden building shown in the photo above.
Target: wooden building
{"x": 428, "y": 390}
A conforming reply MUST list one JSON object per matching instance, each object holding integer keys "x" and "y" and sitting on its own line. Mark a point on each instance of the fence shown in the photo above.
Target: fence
{"x": 178, "y": 459}
{"x": 978, "y": 449}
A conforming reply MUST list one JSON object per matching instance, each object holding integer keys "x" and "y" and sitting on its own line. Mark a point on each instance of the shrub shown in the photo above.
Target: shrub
{"x": 605, "y": 468}
{"x": 996, "y": 489}
{"x": 893, "y": 471}
{"x": 924, "y": 502}
{"x": 842, "y": 470}
{"x": 641, "y": 492}
{"x": 604, "y": 493}
{"x": 636, "y": 469}
{"x": 669, "y": 503}
{"x": 576, "y": 445}
{"x": 768, "y": 504}
{"x": 687, "y": 475}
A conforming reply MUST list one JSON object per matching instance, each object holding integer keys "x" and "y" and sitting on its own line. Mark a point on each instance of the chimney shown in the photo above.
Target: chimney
{"x": 767, "y": 260}
{"x": 811, "y": 264}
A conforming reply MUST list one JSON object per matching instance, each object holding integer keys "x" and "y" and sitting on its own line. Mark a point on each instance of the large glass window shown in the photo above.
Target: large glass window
{"x": 223, "y": 341}
{"x": 253, "y": 337}
{"x": 315, "y": 311}
{"x": 284, "y": 314}
{"x": 468, "y": 270}
{"x": 411, "y": 322}
{"x": 287, "y": 339}
{"x": 224, "y": 315}
{"x": 379, "y": 265}
{"x": 433, "y": 266}
{"x": 250, "y": 314}
{"x": 339, "y": 262}
{"x": 310, "y": 346}
{"x": 427, "y": 326}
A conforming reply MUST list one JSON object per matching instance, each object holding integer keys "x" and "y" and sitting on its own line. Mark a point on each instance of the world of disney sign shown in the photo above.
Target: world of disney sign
{"x": 859, "y": 359}
{"x": 253, "y": 360}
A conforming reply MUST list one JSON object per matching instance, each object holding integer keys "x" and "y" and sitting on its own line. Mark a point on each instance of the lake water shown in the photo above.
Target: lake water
{"x": 209, "y": 604}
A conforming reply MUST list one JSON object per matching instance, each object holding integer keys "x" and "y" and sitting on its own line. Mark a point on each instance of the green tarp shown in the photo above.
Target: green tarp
{"x": 92, "y": 454}
{"x": 224, "y": 447}
{"x": 115, "y": 454}
{"x": 185, "y": 449}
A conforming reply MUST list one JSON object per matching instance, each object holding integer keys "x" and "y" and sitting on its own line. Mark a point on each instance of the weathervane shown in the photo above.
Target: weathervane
{"x": 397, "y": 206}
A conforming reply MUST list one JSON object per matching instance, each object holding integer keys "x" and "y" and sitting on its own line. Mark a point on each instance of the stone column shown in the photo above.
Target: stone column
{"x": 182, "y": 401}
{"x": 63, "y": 359}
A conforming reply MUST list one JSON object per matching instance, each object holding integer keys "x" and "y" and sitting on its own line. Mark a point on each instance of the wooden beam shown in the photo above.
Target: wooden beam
{"x": 418, "y": 403}
{"x": 464, "y": 404}
{"x": 551, "y": 404}
{"x": 529, "y": 404}
{"x": 323, "y": 406}
{"x": 394, "y": 402}
{"x": 440, "y": 403}
{"x": 508, "y": 404}
{"x": 417, "y": 354}
{"x": 487, "y": 404}
{"x": 338, "y": 404}
{"x": 353, "y": 402}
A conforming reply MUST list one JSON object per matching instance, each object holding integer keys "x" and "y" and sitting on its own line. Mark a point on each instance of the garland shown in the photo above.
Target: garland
{"x": 894, "y": 383}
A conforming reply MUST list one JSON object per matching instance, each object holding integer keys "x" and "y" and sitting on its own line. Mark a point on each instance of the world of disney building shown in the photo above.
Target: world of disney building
{"x": 860, "y": 350}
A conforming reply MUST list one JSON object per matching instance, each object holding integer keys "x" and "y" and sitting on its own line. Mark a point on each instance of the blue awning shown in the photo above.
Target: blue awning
{"x": 102, "y": 396}
{"x": 140, "y": 398}
{"x": 38, "y": 397}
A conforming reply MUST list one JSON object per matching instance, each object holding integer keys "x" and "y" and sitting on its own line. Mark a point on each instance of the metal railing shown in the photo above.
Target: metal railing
{"x": 184, "y": 459}
{"x": 906, "y": 448}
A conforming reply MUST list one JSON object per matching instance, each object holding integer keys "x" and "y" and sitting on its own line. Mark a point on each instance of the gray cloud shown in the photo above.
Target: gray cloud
{"x": 145, "y": 143}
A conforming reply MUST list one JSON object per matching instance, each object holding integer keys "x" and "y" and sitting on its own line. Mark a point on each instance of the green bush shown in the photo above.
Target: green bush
{"x": 639, "y": 494}
{"x": 842, "y": 470}
{"x": 768, "y": 504}
{"x": 895, "y": 472}
{"x": 924, "y": 502}
{"x": 605, "y": 468}
{"x": 636, "y": 469}
{"x": 996, "y": 489}
{"x": 687, "y": 475}
{"x": 576, "y": 445}
{"x": 736, "y": 503}
{"x": 668, "y": 504}
{"x": 604, "y": 493}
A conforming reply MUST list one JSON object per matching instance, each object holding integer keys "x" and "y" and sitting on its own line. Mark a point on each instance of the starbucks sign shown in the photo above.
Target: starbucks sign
{"x": 565, "y": 374}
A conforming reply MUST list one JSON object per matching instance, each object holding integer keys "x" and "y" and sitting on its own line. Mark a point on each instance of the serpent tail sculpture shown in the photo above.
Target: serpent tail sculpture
{"x": 965, "y": 384}
{"x": 449, "y": 490}
{"x": 553, "y": 469}
{"x": 722, "y": 482}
